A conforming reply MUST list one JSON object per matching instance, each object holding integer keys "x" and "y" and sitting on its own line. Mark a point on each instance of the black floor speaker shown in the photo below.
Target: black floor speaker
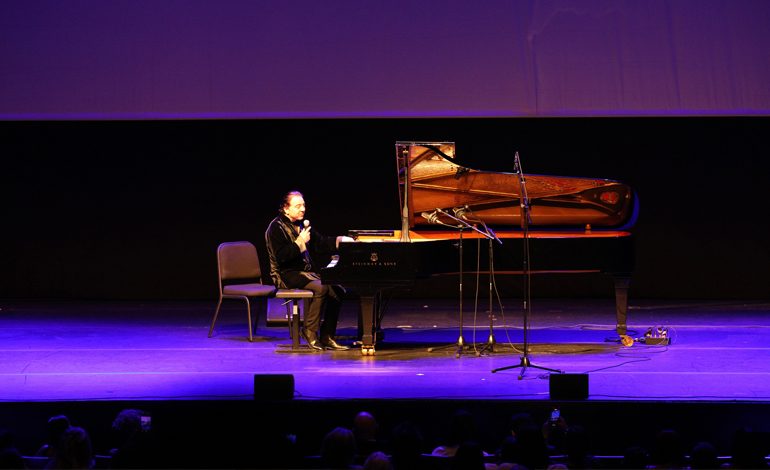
{"x": 568, "y": 386}
{"x": 273, "y": 387}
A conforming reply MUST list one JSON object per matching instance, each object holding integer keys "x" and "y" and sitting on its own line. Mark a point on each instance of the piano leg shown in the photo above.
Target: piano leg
{"x": 622, "y": 284}
{"x": 368, "y": 313}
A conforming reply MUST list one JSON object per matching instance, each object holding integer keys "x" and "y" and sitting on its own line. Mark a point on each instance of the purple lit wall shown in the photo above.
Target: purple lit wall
{"x": 151, "y": 59}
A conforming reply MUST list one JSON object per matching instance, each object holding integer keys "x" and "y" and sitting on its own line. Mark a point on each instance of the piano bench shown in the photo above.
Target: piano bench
{"x": 293, "y": 296}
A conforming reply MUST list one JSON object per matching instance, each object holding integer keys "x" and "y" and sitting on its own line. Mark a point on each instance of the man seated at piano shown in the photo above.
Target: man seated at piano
{"x": 290, "y": 244}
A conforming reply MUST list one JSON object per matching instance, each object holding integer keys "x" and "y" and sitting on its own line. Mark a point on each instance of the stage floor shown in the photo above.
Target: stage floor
{"x": 88, "y": 360}
{"x": 93, "y": 351}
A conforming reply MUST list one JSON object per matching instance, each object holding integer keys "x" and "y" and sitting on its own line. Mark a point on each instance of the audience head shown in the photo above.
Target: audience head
{"x": 128, "y": 422}
{"x": 365, "y": 427}
{"x": 555, "y": 433}
{"x": 338, "y": 448}
{"x": 577, "y": 447}
{"x": 518, "y": 420}
{"x": 55, "y": 427}
{"x": 462, "y": 428}
{"x": 366, "y": 430}
{"x": 377, "y": 461}
{"x": 74, "y": 449}
{"x": 635, "y": 457}
{"x": 749, "y": 449}
{"x": 10, "y": 457}
{"x": 6, "y": 439}
{"x": 703, "y": 456}
{"x": 469, "y": 456}
{"x": 668, "y": 450}
{"x": 531, "y": 447}
{"x": 406, "y": 445}
{"x": 134, "y": 443}
{"x": 509, "y": 450}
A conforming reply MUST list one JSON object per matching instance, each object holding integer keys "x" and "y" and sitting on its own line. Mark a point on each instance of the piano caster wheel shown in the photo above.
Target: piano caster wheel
{"x": 367, "y": 351}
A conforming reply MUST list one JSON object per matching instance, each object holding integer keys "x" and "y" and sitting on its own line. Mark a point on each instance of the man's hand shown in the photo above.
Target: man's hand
{"x": 345, "y": 239}
{"x": 304, "y": 234}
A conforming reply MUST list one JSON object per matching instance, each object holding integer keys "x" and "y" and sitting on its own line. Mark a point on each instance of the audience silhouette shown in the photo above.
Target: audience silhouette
{"x": 133, "y": 440}
{"x": 366, "y": 431}
{"x": 519, "y": 420}
{"x": 55, "y": 428}
{"x": 668, "y": 451}
{"x": 703, "y": 456}
{"x": 338, "y": 449}
{"x": 378, "y": 461}
{"x": 529, "y": 447}
{"x": 406, "y": 444}
{"x": 468, "y": 456}
{"x": 461, "y": 428}
{"x": 635, "y": 456}
{"x": 73, "y": 450}
{"x": 10, "y": 457}
{"x": 577, "y": 448}
{"x": 749, "y": 449}
{"x": 525, "y": 447}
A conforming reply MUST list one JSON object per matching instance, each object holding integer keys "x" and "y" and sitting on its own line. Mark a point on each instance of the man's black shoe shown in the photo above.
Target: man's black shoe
{"x": 329, "y": 343}
{"x": 311, "y": 339}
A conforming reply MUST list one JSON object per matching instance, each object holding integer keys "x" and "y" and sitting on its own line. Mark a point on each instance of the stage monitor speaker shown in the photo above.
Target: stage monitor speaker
{"x": 568, "y": 386}
{"x": 273, "y": 387}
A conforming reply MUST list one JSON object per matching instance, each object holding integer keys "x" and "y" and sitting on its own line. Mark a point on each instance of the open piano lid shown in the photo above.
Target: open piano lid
{"x": 429, "y": 178}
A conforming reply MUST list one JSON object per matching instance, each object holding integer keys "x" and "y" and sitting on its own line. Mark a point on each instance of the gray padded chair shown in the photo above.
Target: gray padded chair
{"x": 238, "y": 261}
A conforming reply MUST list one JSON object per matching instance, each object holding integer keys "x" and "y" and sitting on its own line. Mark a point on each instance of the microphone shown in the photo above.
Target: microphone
{"x": 431, "y": 217}
{"x": 306, "y": 223}
{"x": 460, "y": 212}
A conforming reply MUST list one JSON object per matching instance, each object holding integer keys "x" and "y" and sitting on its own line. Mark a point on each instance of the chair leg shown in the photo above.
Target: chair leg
{"x": 290, "y": 321}
{"x": 248, "y": 312}
{"x": 216, "y": 313}
{"x": 294, "y": 324}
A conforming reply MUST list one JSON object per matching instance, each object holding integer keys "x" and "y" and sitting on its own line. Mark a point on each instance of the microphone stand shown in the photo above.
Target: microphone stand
{"x": 461, "y": 225}
{"x": 526, "y": 220}
{"x": 489, "y": 235}
{"x": 490, "y": 346}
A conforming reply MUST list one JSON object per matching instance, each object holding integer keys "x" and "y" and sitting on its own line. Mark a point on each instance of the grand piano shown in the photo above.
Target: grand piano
{"x": 533, "y": 223}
